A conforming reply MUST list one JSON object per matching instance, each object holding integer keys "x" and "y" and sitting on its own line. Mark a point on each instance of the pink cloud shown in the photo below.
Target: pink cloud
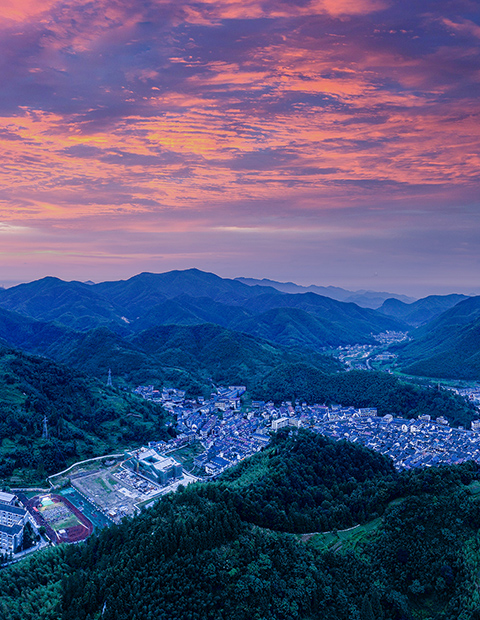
{"x": 230, "y": 120}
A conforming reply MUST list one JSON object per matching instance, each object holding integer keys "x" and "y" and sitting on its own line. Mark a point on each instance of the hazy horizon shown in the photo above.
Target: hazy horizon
{"x": 387, "y": 289}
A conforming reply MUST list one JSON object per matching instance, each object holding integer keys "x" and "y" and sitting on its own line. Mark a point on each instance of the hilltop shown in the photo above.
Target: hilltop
{"x": 228, "y": 549}
{"x": 421, "y": 311}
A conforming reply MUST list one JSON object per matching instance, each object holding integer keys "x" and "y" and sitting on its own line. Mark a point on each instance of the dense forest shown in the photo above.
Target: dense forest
{"x": 297, "y": 489}
{"x": 198, "y": 555}
{"x": 185, "y": 356}
{"x": 302, "y": 382}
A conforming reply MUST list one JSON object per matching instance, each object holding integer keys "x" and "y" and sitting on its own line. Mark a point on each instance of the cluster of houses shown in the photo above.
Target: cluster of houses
{"x": 229, "y": 433}
{"x": 471, "y": 394}
{"x": 420, "y": 442}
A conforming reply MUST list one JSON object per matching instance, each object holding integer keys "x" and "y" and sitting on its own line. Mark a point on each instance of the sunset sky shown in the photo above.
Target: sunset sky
{"x": 320, "y": 141}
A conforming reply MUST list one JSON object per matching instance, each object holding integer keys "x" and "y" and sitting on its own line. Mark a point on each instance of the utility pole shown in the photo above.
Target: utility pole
{"x": 109, "y": 380}
{"x": 45, "y": 428}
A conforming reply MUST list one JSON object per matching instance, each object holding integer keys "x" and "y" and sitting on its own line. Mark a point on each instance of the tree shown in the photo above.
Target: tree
{"x": 28, "y": 536}
{"x": 366, "y": 611}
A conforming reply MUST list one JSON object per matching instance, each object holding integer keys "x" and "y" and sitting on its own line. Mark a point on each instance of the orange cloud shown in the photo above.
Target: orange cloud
{"x": 254, "y": 9}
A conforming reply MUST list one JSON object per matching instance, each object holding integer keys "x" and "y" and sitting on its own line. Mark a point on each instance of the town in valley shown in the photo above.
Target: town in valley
{"x": 212, "y": 435}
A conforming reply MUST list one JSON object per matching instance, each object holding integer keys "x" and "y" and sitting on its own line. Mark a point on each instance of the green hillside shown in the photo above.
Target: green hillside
{"x": 210, "y": 351}
{"x": 296, "y": 489}
{"x": 187, "y": 310}
{"x": 185, "y": 356}
{"x": 198, "y": 554}
{"x": 313, "y": 320}
{"x": 73, "y": 304}
{"x": 84, "y": 418}
{"x": 23, "y": 332}
{"x": 448, "y": 347}
{"x": 292, "y": 326}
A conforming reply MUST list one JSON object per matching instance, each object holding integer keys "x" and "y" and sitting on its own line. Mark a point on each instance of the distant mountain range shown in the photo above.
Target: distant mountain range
{"x": 421, "y": 311}
{"x": 194, "y": 297}
{"x": 366, "y": 299}
{"x": 93, "y": 327}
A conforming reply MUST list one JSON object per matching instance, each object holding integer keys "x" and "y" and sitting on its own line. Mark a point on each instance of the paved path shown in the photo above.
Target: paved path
{"x": 308, "y": 536}
{"x": 97, "y": 458}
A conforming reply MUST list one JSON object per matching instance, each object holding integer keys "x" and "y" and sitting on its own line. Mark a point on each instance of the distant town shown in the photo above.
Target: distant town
{"x": 212, "y": 435}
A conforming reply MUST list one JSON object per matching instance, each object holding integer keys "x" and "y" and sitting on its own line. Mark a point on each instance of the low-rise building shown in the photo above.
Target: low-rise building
{"x": 7, "y": 498}
{"x": 280, "y": 423}
{"x": 11, "y": 538}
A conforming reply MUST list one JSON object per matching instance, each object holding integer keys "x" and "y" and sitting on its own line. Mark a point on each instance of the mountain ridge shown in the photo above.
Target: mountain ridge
{"x": 188, "y": 297}
{"x": 362, "y": 297}
{"x": 421, "y": 311}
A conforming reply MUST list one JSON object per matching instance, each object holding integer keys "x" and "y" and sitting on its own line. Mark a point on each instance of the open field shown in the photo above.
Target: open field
{"x": 86, "y": 467}
{"x": 115, "y": 491}
{"x": 346, "y": 539}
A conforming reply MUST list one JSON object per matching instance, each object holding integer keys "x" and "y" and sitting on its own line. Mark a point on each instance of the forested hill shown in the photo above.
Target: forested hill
{"x": 84, "y": 418}
{"x": 301, "y": 382}
{"x": 295, "y": 488}
{"x": 197, "y": 554}
{"x": 421, "y": 311}
{"x": 184, "y": 356}
{"x": 448, "y": 347}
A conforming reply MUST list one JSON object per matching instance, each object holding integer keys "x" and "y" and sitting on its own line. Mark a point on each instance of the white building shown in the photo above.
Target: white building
{"x": 12, "y": 522}
{"x": 7, "y": 498}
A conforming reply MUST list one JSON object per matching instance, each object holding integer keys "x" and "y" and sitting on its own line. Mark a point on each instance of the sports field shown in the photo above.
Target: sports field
{"x": 57, "y": 514}
{"x": 62, "y": 520}
{"x": 98, "y": 519}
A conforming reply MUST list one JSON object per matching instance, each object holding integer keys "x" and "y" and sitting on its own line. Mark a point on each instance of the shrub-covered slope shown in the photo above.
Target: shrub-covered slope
{"x": 448, "y": 347}
{"x": 84, "y": 417}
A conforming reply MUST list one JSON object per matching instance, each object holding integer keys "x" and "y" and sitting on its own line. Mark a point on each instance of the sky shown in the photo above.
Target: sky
{"x": 328, "y": 142}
